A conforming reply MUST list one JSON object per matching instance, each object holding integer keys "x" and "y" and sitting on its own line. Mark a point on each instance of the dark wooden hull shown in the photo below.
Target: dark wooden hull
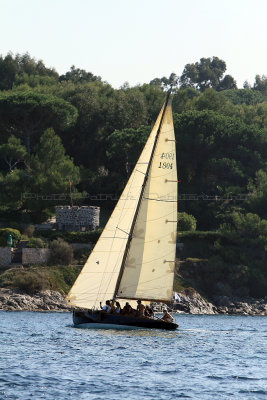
{"x": 113, "y": 321}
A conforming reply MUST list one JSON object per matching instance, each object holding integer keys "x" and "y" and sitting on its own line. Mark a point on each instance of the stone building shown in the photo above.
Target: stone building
{"x": 84, "y": 218}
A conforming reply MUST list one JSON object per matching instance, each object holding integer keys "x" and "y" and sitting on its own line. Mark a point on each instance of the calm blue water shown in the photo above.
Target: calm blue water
{"x": 42, "y": 356}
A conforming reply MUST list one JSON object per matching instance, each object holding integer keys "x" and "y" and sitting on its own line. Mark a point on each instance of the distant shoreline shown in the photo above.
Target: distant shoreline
{"x": 48, "y": 300}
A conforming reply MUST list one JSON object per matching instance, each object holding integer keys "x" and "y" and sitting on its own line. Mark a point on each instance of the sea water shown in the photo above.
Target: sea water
{"x": 43, "y": 356}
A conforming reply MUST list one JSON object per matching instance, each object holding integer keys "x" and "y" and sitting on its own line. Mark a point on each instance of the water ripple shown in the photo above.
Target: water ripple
{"x": 212, "y": 357}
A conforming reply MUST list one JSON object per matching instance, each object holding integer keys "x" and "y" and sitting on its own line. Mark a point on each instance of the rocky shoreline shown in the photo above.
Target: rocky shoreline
{"x": 193, "y": 303}
{"x": 188, "y": 303}
{"x": 48, "y": 300}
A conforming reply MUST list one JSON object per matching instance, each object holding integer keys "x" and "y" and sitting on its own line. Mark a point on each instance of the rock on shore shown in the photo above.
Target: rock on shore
{"x": 190, "y": 303}
{"x": 48, "y": 300}
{"x": 242, "y": 306}
{"x": 193, "y": 303}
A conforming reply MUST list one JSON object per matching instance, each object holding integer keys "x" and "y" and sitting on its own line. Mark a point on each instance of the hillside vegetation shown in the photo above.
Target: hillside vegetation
{"x": 56, "y": 129}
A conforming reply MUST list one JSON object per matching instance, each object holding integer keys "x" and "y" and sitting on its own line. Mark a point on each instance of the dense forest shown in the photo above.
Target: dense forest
{"x": 56, "y": 129}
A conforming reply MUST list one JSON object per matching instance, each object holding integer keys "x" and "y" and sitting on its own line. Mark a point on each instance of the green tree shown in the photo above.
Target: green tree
{"x": 226, "y": 83}
{"x": 12, "y": 187}
{"x": 13, "y": 67}
{"x": 208, "y": 73}
{"x": 257, "y": 200}
{"x": 77, "y": 75}
{"x": 43, "y": 181}
{"x": 244, "y": 96}
{"x": 186, "y": 222}
{"x": 249, "y": 225}
{"x": 50, "y": 167}
{"x": 212, "y": 100}
{"x": 182, "y": 99}
{"x": 13, "y": 152}
{"x": 61, "y": 252}
{"x": 86, "y": 140}
{"x": 216, "y": 155}
{"x": 261, "y": 84}
{"x": 166, "y": 83}
{"x": 124, "y": 148}
{"x": 154, "y": 98}
{"x": 28, "y": 113}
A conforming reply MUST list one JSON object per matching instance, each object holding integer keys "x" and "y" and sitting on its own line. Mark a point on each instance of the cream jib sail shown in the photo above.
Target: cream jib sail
{"x": 134, "y": 257}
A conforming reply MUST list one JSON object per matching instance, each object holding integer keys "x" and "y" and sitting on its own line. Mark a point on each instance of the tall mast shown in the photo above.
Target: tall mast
{"x": 139, "y": 201}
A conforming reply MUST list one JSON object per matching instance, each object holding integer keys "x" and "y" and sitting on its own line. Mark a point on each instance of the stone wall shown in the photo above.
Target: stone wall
{"x": 5, "y": 255}
{"x": 77, "y": 218}
{"x": 35, "y": 256}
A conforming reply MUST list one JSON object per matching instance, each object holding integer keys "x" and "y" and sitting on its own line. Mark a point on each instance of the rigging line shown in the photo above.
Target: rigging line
{"x": 165, "y": 201}
{"x": 156, "y": 219}
{"x": 127, "y": 233}
{"x": 141, "y": 172}
{"x": 160, "y": 277}
{"x": 161, "y": 175}
{"x": 113, "y": 237}
{"x": 155, "y": 259}
{"x": 166, "y": 130}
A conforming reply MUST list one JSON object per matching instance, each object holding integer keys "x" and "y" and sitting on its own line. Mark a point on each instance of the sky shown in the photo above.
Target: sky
{"x": 136, "y": 41}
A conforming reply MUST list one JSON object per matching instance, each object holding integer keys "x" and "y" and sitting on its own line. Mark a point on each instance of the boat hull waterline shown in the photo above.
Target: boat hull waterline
{"x": 85, "y": 319}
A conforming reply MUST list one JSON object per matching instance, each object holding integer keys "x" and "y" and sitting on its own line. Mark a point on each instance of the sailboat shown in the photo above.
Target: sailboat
{"x": 134, "y": 258}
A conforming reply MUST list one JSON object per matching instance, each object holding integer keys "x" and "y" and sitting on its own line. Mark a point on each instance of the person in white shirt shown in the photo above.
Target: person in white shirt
{"x": 106, "y": 307}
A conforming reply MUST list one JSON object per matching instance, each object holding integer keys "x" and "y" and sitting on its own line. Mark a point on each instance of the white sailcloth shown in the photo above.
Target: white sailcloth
{"x": 99, "y": 276}
{"x": 149, "y": 267}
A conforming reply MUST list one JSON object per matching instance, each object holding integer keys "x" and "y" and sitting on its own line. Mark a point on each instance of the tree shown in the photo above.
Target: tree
{"x": 50, "y": 171}
{"x": 216, "y": 155}
{"x": 257, "y": 199}
{"x": 8, "y": 71}
{"x": 43, "y": 181}
{"x": 227, "y": 83}
{"x": 249, "y": 225}
{"x": 12, "y": 187}
{"x": 28, "y": 113}
{"x": 13, "y": 152}
{"x": 182, "y": 99}
{"x": 244, "y": 96}
{"x": 51, "y": 167}
{"x": 77, "y": 75}
{"x": 208, "y": 73}
{"x": 61, "y": 252}
{"x": 154, "y": 98}
{"x": 186, "y": 222}
{"x": 261, "y": 84}
{"x": 13, "y": 67}
{"x": 166, "y": 83}
{"x": 211, "y": 100}
{"x": 124, "y": 148}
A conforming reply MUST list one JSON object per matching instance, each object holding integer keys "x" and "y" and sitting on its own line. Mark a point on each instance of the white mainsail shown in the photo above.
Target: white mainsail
{"x": 149, "y": 266}
{"x": 98, "y": 278}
